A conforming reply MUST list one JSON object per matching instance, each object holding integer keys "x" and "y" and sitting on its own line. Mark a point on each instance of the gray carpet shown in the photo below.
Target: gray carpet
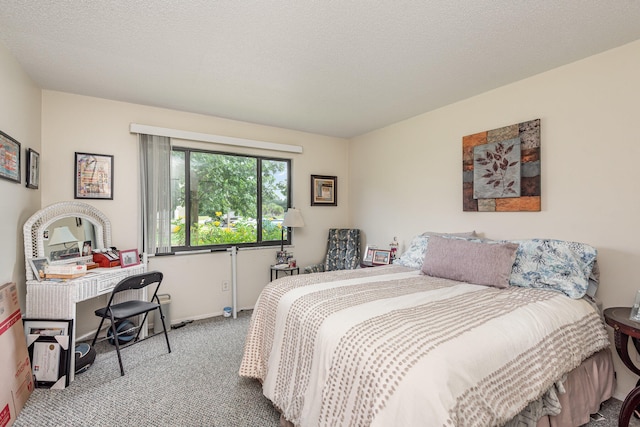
{"x": 610, "y": 411}
{"x": 196, "y": 385}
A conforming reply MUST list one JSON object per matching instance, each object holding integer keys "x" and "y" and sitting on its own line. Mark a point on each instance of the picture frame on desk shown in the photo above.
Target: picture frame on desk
{"x": 129, "y": 258}
{"x": 49, "y": 343}
{"x": 86, "y": 248}
{"x": 38, "y": 265}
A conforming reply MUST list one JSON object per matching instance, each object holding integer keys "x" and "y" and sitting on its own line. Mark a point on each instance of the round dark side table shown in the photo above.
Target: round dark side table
{"x": 623, "y": 328}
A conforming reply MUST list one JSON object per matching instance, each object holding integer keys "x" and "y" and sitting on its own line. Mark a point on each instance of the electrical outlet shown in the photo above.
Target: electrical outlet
{"x": 225, "y": 285}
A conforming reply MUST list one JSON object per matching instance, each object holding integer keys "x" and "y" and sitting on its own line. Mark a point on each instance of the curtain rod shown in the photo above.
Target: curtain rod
{"x": 218, "y": 139}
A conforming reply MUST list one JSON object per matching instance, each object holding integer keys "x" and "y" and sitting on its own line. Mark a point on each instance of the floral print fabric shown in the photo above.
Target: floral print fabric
{"x": 557, "y": 265}
{"x": 343, "y": 252}
{"x": 414, "y": 256}
{"x": 553, "y": 264}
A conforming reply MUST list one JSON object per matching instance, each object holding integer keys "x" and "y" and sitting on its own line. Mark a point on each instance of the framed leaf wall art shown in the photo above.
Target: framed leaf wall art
{"x": 501, "y": 169}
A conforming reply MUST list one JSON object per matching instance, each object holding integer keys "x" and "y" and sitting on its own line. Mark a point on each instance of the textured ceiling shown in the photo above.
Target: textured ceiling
{"x": 339, "y": 68}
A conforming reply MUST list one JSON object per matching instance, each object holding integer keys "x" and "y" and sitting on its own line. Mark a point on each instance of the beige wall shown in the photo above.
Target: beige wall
{"x": 20, "y": 119}
{"x": 407, "y": 178}
{"x": 72, "y": 123}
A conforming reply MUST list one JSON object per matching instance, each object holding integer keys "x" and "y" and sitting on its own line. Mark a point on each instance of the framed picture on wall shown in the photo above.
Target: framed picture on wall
{"x": 33, "y": 169}
{"x": 10, "y": 158}
{"x": 93, "y": 176}
{"x": 324, "y": 190}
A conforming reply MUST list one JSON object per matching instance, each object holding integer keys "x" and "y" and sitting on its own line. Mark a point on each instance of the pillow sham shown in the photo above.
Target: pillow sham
{"x": 479, "y": 263}
{"x": 413, "y": 257}
{"x": 554, "y": 264}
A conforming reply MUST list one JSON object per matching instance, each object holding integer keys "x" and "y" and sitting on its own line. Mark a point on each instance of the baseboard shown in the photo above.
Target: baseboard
{"x": 203, "y": 316}
{"x": 89, "y": 335}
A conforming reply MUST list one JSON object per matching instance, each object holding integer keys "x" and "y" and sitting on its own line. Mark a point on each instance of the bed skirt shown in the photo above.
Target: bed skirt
{"x": 585, "y": 388}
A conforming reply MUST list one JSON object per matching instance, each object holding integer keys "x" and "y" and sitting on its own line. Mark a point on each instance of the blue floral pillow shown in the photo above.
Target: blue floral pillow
{"x": 413, "y": 257}
{"x": 553, "y": 264}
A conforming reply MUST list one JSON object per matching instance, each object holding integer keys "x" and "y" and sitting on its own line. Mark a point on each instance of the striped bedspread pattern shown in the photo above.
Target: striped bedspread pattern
{"x": 389, "y": 346}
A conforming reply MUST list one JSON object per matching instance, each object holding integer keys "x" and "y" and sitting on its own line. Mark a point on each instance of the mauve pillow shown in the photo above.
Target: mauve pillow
{"x": 472, "y": 262}
{"x": 414, "y": 256}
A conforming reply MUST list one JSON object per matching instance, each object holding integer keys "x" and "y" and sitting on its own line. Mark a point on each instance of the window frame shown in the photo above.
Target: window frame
{"x": 187, "y": 197}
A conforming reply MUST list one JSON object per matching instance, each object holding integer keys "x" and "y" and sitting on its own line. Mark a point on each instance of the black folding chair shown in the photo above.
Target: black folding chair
{"x": 123, "y": 310}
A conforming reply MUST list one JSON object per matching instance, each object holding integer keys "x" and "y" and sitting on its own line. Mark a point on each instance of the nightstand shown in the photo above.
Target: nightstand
{"x": 287, "y": 270}
{"x": 366, "y": 264}
{"x": 623, "y": 328}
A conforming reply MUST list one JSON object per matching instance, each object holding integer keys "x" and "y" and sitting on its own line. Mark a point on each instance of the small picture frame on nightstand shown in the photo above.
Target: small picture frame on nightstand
{"x": 635, "y": 310}
{"x": 381, "y": 257}
{"x": 368, "y": 254}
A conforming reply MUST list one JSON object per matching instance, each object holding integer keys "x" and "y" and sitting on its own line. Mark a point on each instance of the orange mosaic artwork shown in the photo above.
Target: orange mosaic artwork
{"x": 528, "y": 134}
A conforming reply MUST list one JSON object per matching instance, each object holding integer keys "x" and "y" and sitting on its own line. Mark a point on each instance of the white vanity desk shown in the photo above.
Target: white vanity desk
{"x": 57, "y": 300}
{"x": 49, "y": 299}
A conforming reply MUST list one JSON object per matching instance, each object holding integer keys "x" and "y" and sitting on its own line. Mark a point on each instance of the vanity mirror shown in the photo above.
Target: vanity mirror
{"x": 59, "y": 232}
{"x": 56, "y": 231}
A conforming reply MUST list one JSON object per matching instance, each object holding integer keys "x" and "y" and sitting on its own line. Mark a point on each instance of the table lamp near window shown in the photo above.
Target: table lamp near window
{"x": 292, "y": 218}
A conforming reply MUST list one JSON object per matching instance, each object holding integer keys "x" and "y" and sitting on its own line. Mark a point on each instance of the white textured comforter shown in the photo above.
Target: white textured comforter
{"x": 388, "y": 346}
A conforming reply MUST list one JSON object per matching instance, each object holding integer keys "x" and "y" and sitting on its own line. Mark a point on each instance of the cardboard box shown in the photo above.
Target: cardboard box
{"x": 16, "y": 379}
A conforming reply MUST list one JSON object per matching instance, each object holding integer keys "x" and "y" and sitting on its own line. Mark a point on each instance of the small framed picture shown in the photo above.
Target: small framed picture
{"x": 381, "y": 257}
{"x": 46, "y": 327}
{"x": 86, "y": 248}
{"x": 368, "y": 254}
{"x": 10, "y": 159}
{"x": 49, "y": 342}
{"x": 38, "y": 265}
{"x": 324, "y": 190}
{"x": 129, "y": 257}
{"x": 33, "y": 169}
{"x": 94, "y": 176}
{"x": 635, "y": 310}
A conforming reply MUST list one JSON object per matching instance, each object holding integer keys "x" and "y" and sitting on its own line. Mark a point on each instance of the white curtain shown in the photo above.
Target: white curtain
{"x": 155, "y": 179}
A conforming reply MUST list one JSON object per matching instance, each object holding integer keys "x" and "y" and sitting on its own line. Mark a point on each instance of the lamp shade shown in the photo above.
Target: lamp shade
{"x": 293, "y": 218}
{"x": 62, "y": 235}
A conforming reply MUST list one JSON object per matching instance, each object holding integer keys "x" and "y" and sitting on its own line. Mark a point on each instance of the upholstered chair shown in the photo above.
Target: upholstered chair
{"x": 343, "y": 251}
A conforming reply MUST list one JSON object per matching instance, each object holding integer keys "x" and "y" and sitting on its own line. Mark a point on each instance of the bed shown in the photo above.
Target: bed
{"x": 461, "y": 332}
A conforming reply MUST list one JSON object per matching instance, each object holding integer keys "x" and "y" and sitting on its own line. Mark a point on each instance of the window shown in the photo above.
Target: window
{"x": 221, "y": 200}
